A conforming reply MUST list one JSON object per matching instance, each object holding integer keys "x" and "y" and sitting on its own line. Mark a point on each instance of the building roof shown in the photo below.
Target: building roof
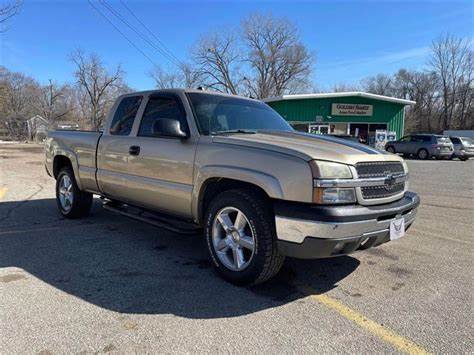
{"x": 340, "y": 94}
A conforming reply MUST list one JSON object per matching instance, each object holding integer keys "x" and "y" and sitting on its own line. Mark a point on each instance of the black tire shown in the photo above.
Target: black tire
{"x": 391, "y": 149}
{"x": 463, "y": 159}
{"x": 81, "y": 201}
{"x": 423, "y": 154}
{"x": 266, "y": 261}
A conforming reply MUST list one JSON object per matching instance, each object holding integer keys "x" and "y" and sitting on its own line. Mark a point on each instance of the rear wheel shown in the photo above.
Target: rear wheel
{"x": 241, "y": 237}
{"x": 72, "y": 202}
{"x": 423, "y": 154}
{"x": 390, "y": 149}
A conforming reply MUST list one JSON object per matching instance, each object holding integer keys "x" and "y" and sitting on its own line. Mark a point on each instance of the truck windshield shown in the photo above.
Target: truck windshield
{"x": 218, "y": 114}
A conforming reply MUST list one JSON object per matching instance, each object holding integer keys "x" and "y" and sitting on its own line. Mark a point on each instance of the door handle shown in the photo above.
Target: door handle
{"x": 134, "y": 150}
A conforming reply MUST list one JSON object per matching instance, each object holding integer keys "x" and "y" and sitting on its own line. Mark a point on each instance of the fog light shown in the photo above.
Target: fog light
{"x": 338, "y": 247}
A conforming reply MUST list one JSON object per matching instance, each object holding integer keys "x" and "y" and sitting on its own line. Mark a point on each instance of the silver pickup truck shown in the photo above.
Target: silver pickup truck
{"x": 189, "y": 159}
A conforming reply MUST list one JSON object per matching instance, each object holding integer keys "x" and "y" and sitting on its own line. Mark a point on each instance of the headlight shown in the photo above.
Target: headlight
{"x": 333, "y": 195}
{"x": 329, "y": 170}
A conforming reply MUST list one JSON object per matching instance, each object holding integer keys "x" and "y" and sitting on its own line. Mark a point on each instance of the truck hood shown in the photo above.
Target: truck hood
{"x": 308, "y": 147}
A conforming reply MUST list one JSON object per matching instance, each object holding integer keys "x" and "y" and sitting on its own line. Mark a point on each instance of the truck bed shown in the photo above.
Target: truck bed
{"x": 80, "y": 147}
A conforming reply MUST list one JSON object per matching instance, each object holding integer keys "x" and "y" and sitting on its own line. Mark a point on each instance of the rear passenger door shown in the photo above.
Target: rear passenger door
{"x": 161, "y": 175}
{"x": 403, "y": 145}
{"x": 114, "y": 146}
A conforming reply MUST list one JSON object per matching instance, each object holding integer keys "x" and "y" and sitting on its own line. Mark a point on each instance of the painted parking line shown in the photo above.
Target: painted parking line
{"x": 401, "y": 343}
{"x": 3, "y": 192}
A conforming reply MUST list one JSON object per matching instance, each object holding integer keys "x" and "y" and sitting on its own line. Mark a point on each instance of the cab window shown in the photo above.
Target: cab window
{"x": 125, "y": 115}
{"x": 159, "y": 108}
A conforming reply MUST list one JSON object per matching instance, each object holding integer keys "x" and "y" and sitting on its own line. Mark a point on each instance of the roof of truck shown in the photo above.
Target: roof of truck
{"x": 183, "y": 90}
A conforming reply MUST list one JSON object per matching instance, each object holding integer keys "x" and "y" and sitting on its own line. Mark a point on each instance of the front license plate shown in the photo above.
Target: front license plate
{"x": 397, "y": 228}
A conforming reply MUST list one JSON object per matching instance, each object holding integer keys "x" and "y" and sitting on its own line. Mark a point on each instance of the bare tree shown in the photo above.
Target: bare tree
{"x": 345, "y": 87}
{"x": 184, "y": 77}
{"x": 18, "y": 93}
{"x": 52, "y": 102}
{"x": 97, "y": 84}
{"x": 279, "y": 62}
{"x": 217, "y": 62}
{"x": 381, "y": 84}
{"x": 452, "y": 62}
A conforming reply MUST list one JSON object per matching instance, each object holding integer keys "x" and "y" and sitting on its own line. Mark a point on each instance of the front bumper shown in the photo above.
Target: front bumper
{"x": 442, "y": 153}
{"x": 310, "y": 231}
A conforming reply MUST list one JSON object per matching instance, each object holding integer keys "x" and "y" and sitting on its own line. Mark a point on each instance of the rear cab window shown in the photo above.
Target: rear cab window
{"x": 124, "y": 116}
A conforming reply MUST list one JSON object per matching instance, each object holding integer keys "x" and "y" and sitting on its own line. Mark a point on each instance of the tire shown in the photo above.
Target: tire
{"x": 423, "y": 154}
{"x": 72, "y": 202}
{"x": 257, "y": 264}
{"x": 463, "y": 159}
{"x": 390, "y": 149}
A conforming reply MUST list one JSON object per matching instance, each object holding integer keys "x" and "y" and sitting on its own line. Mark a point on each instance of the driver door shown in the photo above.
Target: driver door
{"x": 161, "y": 172}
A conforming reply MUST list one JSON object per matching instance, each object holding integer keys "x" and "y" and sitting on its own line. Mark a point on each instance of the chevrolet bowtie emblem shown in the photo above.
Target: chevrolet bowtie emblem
{"x": 390, "y": 180}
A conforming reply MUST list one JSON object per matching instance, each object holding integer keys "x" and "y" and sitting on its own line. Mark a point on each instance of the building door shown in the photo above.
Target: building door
{"x": 359, "y": 130}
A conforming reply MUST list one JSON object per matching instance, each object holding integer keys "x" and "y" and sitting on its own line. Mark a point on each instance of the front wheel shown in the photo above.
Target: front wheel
{"x": 72, "y": 202}
{"x": 423, "y": 154}
{"x": 241, "y": 237}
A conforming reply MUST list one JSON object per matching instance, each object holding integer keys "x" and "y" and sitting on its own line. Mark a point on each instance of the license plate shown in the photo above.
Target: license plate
{"x": 397, "y": 228}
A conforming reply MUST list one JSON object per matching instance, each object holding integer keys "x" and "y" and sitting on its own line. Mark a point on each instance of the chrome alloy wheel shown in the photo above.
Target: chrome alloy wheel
{"x": 233, "y": 239}
{"x": 66, "y": 195}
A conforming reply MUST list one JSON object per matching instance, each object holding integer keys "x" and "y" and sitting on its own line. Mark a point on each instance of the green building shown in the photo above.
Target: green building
{"x": 358, "y": 114}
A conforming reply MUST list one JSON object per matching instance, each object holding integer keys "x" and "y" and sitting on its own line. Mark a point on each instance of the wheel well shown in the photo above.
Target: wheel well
{"x": 60, "y": 161}
{"x": 215, "y": 186}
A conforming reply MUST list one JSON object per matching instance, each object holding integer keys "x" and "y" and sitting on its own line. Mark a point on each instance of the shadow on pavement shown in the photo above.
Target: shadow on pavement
{"x": 129, "y": 267}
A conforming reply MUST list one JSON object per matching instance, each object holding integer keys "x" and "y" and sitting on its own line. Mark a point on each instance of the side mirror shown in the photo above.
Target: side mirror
{"x": 168, "y": 127}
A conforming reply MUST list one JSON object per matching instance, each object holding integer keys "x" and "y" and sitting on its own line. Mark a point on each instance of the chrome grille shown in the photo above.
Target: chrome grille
{"x": 380, "y": 169}
{"x": 382, "y": 191}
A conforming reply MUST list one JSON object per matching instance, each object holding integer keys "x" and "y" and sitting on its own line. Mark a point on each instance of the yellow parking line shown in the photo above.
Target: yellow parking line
{"x": 387, "y": 335}
{"x": 3, "y": 192}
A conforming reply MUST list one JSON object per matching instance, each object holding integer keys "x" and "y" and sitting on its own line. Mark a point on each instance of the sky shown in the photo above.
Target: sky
{"x": 350, "y": 40}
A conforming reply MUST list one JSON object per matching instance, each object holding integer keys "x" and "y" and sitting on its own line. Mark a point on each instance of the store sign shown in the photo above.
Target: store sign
{"x": 351, "y": 110}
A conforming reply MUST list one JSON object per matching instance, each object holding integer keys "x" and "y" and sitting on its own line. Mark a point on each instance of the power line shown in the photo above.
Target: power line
{"x": 119, "y": 31}
{"x": 139, "y": 33}
{"x": 150, "y": 32}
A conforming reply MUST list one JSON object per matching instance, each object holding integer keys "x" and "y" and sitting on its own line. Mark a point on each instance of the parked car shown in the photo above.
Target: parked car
{"x": 463, "y": 147}
{"x": 188, "y": 159}
{"x": 423, "y": 146}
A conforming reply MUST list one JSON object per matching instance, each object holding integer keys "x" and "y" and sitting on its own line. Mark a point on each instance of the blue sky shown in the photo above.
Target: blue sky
{"x": 351, "y": 39}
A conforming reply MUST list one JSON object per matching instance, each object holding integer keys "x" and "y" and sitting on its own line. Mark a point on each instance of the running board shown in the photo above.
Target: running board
{"x": 158, "y": 220}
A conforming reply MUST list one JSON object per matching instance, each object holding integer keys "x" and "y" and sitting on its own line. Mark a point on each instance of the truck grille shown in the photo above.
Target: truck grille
{"x": 382, "y": 191}
{"x": 380, "y": 169}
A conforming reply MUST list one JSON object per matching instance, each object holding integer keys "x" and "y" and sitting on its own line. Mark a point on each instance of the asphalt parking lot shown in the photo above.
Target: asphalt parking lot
{"x": 109, "y": 284}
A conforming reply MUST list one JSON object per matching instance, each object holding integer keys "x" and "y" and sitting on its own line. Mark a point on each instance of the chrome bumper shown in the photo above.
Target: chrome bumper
{"x": 297, "y": 230}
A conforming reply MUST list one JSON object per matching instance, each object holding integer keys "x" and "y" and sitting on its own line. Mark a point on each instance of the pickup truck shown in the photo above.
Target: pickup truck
{"x": 191, "y": 160}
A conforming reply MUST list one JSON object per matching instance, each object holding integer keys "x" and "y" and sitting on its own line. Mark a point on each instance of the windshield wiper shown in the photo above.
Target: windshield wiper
{"x": 234, "y": 131}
